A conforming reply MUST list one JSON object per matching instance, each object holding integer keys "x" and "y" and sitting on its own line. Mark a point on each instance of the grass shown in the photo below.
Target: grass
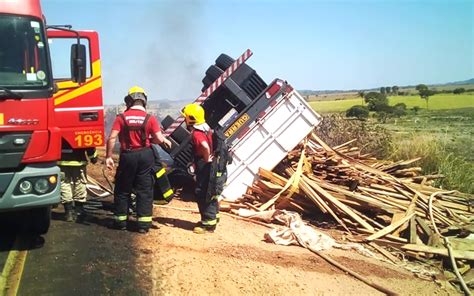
{"x": 445, "y": 141}
{"x": 443, "y": 138}
{"x": 436, "y": 102}
{"x": 437, "y": 158}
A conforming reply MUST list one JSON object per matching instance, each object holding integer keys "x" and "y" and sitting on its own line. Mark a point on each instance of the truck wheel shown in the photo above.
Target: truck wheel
{"x": 224, "y": 61}
{"x": 40, "y": 220}
{"x": 213, "y": 72}
{"x": 206, "y": 81}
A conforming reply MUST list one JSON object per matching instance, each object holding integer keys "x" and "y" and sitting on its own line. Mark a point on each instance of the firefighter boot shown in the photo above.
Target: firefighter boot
{"x": 203, "y": 229}
{"x": 80, "y": 214}
{"x": 69, "y": 212}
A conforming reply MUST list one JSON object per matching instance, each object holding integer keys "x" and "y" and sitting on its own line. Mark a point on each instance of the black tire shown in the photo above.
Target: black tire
{"x": 224, "y": 61}
{"x": 180, "y": 134}
{"x": 213, "y": 72}
{"x": 206, "y": 81}
{"x": 40, "y": 220}
{"x": 165, "y": 123}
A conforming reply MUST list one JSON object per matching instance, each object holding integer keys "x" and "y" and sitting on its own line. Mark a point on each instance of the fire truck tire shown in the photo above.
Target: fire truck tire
{"x": 224, "y": 61}
{"x": 40, "y": 220}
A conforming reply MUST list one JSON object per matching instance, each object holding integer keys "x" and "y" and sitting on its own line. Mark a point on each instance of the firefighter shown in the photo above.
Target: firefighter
{"x": 134, "y": 173}
{"x": 73, "y": 180}
{"x": 201, "y": 139}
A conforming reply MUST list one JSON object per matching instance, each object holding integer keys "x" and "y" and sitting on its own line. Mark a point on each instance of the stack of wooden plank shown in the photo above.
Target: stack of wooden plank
{"x": 382, "y": 203}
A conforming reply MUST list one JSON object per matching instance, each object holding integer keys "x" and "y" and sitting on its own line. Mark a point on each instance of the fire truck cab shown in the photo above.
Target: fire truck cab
{"x": 42, "y": 111}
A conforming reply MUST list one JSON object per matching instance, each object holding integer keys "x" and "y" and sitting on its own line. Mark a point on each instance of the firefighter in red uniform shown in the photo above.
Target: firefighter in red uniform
{"x": 134, "y": 128}
{"x": 201, "y": 137}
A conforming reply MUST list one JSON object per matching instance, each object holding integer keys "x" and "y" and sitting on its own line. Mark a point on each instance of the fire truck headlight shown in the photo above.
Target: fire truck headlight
{"x": 25, "y": 187}
{"x": 41, "y": 185}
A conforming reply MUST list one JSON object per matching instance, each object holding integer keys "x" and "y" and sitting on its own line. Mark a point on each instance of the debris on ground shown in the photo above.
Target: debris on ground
{"x": 388, "y": 206}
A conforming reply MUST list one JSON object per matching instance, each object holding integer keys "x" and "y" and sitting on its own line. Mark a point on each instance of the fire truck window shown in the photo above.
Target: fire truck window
{"x": 23, "y": 62}
{"x": 60, "y": 49}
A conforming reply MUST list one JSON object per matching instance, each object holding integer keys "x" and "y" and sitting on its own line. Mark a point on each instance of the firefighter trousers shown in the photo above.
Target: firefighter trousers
{"x": 134, "y": 173}
{"x": 208, "y": 207}
{"x": 73, "y": 184}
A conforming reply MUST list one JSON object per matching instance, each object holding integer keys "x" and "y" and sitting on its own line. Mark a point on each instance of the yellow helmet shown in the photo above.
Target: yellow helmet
{"x": 136, "y": 89}
{"x": 135, "y": 93}
{"x": 193, "y": 114}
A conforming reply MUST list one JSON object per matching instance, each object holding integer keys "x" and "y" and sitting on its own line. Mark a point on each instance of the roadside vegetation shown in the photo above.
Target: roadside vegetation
{"x": 397, "y": 127}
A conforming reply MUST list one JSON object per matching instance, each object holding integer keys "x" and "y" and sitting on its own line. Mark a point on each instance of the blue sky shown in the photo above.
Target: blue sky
{"x": 166, "y": 46}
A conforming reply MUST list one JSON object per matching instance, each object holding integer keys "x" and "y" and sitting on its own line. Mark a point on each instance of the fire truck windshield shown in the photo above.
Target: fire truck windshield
{"x": 23, "y": 54}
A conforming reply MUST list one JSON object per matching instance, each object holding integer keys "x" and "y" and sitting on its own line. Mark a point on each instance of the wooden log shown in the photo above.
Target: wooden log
{"x": 413, "y": 235}
{"x": 389, "y": 228}
{"x": 320, "y": 203}
{"x": 338, "y": 204}
{"x": 384, "y": 252}
{"x": 387, "y": 237}
{"x": 467, "y": 255}
{"x": 338, "y": 147}
{"x": 354, "y": 274}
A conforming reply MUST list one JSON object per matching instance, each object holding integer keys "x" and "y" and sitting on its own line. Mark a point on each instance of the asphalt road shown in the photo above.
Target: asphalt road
{"x": 71, "y": 259}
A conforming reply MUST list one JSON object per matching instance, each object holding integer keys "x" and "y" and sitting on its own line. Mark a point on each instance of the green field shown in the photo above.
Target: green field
{"x": 436, "y": 102}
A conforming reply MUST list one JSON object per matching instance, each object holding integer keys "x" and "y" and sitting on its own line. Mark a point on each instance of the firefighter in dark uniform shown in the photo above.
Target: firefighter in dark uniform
{"x": 134, "y": 173}
{"x": 74, "y": 179}
{"x": 201, "y": 137}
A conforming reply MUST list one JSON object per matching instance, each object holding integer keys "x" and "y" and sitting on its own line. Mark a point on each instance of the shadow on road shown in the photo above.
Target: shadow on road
{"x": 184, "y": 224}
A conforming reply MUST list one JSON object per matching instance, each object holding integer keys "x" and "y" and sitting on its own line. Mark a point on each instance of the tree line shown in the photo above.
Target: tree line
{"x": 378, "y": 101}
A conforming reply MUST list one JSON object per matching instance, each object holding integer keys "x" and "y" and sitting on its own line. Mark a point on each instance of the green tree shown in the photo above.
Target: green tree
{"x": 382, "y": 90}
{"x": 424, "y": 93}
{"x": 400, "y": 110}
{"x": 388, "y": 89}
{"x": 358, "y": 111}
{"x": 459, "y": 90}
{"x": 375, "y": 99}
{"x": 361, "y": 94}
{"x": 395, "y": 90}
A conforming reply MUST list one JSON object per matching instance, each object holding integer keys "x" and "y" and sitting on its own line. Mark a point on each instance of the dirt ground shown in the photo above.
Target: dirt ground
{"x": 235, "y": 260}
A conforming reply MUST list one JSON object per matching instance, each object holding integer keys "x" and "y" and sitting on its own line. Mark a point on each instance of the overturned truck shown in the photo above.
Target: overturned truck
{"x": 261, "y": 122}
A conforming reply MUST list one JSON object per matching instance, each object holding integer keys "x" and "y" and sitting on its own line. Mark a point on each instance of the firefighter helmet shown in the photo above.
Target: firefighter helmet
{"x": 135, "y": 93}
{"x": 193, "y": 114}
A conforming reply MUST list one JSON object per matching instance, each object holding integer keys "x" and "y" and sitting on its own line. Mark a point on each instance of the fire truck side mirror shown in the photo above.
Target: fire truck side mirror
{"x": 78, "y": 63}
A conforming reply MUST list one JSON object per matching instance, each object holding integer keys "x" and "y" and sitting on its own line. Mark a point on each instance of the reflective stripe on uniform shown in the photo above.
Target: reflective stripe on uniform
{"x": 219, "y": 174}
{"x": 209, "y": 222}
{"x": 160, "y": 173}
{"x": 145, "y": 219}
{"x": 121, "y": 218}
{"x": 94, "y": 154}
{"x": 71, "y": 163}
{"x": 168, "y": 193}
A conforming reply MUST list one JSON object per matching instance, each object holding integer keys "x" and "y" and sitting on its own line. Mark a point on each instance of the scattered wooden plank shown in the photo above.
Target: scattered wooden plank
{"x": 384, "y": 252}
{"x": 389, "y": 228}
{"x": 413, "y": 235}
{"x": 467, "y": 255}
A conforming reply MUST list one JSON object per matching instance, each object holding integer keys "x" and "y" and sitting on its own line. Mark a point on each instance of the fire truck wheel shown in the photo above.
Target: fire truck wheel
{"x": 224, "y": 61}
{"x": 40, "y": 220}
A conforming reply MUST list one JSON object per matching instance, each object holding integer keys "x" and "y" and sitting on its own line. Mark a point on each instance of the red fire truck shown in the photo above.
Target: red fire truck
{"x": 50, "y": 97}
